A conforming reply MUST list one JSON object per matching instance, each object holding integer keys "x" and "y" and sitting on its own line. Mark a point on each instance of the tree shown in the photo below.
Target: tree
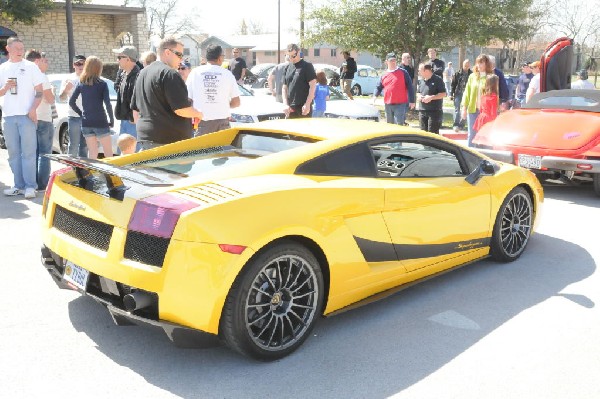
{"x": 382, "y": 26}
{"x": 26, "y": 11}
{"x": 165, "y": 19}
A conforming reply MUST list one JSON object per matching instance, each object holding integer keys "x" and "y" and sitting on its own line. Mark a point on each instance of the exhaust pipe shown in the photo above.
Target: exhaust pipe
{"x": 137, "y": 300}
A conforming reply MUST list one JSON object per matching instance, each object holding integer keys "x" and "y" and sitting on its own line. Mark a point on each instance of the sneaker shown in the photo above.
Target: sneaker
{"x": 456, "y": 129}
{"x": 13, "y": 191}
{"x": 29, "y": 193}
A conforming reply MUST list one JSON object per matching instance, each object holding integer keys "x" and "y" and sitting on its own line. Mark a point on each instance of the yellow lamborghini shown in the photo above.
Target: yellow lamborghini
{"x": 249, "y": 235}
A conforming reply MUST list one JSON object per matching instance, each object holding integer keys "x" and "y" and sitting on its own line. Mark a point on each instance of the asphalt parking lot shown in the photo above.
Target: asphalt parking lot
{"x": 528, "y": 329}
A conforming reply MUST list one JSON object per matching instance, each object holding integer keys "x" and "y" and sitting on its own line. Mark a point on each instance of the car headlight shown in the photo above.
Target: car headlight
{"x": 242, "y": 118}
{"x": 337, "y": 116}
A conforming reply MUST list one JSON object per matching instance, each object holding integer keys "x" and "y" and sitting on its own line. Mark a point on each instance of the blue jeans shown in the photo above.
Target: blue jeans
{"x": 129, "y": 128}
{"x": 395, "y": 113}
{"x": 77, "y": 144}
{"x": 457, "y": 111}
{"x": 471, "y": 117}
{"x": 21, "y": 143}
{"x": 45, "y": 134}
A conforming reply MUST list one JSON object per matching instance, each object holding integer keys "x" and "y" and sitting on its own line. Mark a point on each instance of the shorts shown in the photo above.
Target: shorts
{"x": 95, "y": 131}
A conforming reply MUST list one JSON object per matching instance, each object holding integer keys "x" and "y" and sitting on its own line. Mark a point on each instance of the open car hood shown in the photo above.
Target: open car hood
{"x": 541, "y": 128}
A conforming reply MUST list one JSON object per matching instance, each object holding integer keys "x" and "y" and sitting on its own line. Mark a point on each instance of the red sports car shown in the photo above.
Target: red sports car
{"x": 556, "y": 134}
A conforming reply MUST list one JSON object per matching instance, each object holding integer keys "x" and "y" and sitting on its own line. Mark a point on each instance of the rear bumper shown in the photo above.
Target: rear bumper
{"x": 180, "y": 335}
{"x": 549, "y": 162}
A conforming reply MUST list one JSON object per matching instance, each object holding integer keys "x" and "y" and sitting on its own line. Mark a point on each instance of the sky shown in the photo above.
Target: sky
{"x": 224, "y": 17}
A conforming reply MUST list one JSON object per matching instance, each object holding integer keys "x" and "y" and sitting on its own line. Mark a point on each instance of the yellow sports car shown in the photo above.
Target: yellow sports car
{"x": 251, "y": 234}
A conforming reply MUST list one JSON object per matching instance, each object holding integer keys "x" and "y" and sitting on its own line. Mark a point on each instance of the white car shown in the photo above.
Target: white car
{"x": 264, "y": 107}
{"x": 61, "y": 127}
{"x": 339, "y": 106}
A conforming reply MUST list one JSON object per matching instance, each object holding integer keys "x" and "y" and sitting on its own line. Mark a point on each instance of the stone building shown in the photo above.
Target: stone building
{"x": 97, "y": 29}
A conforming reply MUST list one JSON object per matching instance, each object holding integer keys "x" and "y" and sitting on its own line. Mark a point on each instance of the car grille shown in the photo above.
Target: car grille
{"x": 369, "y": 118}
{"x": 91, "y": 232}
{"x": 271, "y": 117}
{"x": 145, "y": 248}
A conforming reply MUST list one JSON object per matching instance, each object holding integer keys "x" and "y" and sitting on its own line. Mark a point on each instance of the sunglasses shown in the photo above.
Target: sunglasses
{"x": 177, "y": 53}
{"x": 78, "y": 63}
{"x": 120, "y": 57}
{"x": 181, "y": 68}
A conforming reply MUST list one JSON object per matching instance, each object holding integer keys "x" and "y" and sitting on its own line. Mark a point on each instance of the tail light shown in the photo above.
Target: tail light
{"x": 158, "y": 215}
{"x": 53, "y": 176}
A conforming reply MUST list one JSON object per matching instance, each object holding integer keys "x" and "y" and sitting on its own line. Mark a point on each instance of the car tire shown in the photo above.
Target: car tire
{"x": 63, "y": 139}
{"x": 356, "y": 90}
{"x": 597, "y": 183}
{"x": 2, "y": 141}
{"x": 274, "y": 303}
{"x": 513, "y": 226}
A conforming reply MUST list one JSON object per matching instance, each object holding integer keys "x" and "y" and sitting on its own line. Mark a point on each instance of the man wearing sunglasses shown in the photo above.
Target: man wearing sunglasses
{"x": 160, "y": 99}
{"x": 77, "y": 144}
{"x": 299, "y": 84}
{"x": 128, "y": 73}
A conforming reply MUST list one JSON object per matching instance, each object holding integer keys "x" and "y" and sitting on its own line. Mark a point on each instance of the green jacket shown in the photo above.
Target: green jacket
{"x": 473, "y": 90}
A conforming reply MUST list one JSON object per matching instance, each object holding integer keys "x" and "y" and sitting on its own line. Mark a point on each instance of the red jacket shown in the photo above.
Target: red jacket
{"x": 398, "y": 87}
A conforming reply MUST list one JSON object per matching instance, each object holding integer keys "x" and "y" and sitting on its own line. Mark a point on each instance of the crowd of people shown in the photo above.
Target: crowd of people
{"x": 161, "y": 99}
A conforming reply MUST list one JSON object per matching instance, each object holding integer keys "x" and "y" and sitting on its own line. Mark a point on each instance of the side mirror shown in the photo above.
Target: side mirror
{"x": 485, "y": 168}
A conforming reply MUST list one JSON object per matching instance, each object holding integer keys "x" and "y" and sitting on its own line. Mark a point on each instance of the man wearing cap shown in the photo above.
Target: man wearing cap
{"x": 161, "y": 100}
{"x": 128, "y": 73}
{"x": 523, "y": 83}
{"x": 398, "y": 91}
{"x": 534, "y": 84}
{"x": 582, "y": 83}
{"x": 77, "y": 144}
{"x": 214, "y": 91}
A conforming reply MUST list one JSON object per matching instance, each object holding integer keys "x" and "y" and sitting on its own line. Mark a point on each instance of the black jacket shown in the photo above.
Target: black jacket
{"x": 125, "y": 91}
{"x": 350, "y": 69}
{"x": 459, "y": 82}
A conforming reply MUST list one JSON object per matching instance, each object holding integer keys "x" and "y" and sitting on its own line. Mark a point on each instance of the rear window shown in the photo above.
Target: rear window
{"x": 269, "y": 142}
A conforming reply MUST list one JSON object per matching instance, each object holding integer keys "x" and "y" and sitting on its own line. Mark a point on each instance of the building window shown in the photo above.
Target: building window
{"x": 334, "y": 52}
{"x": 270, "y": 53}
{"x": 317, "y": 52}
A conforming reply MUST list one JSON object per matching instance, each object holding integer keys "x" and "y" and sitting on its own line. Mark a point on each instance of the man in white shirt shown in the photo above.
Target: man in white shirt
{"x": 213, "y": 90}
{"x": 21, "y": 85}
{"x": 45, "y": 128}
{"x": 77, "y": 145}
{"x": 582, "y": 83}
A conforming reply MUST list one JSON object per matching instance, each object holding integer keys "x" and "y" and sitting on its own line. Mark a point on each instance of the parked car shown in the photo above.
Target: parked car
{"x": 251, "y": 234}
{"x": 258, "y": 75}
{"x": 255, "y": 108}
{"x": 556, "y": 135}
{"x": 365, "y": 80}
{"x": 61, "y": 127}
{"x": 331, "y": 73}
{"x": 339, "y": 106}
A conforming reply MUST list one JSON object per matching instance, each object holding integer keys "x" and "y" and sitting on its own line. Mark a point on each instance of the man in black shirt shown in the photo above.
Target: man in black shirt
{"x": 438, "y": 65}
{"x": 431, "y": 92}
{"x": 299, "y": 84}
{"x": 160, "y": 99}
{"x": 347, "y": 71}
{"x": 237, "y": 66}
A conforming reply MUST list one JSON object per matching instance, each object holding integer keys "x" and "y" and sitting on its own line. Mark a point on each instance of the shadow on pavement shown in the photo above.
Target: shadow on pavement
{"x": 374, "y": 351}
{"x": 580, "y": 194}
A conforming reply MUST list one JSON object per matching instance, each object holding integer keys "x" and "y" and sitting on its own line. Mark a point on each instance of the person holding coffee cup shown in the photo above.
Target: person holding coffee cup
{"x": 21, "y": 86}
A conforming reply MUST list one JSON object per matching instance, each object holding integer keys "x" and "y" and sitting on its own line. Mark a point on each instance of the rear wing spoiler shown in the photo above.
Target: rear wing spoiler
{"x": 113, "y": 174}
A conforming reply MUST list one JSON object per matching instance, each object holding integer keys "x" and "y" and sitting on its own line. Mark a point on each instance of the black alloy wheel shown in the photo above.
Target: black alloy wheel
{"x": 513, "y": 226}
{"x": 63, "y": 139}
{"x": 274, "y": 303}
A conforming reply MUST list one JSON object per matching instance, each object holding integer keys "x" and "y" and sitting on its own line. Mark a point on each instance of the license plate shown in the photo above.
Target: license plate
{"x": 76, "y": 275}
{"x": 530, "y": 161}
